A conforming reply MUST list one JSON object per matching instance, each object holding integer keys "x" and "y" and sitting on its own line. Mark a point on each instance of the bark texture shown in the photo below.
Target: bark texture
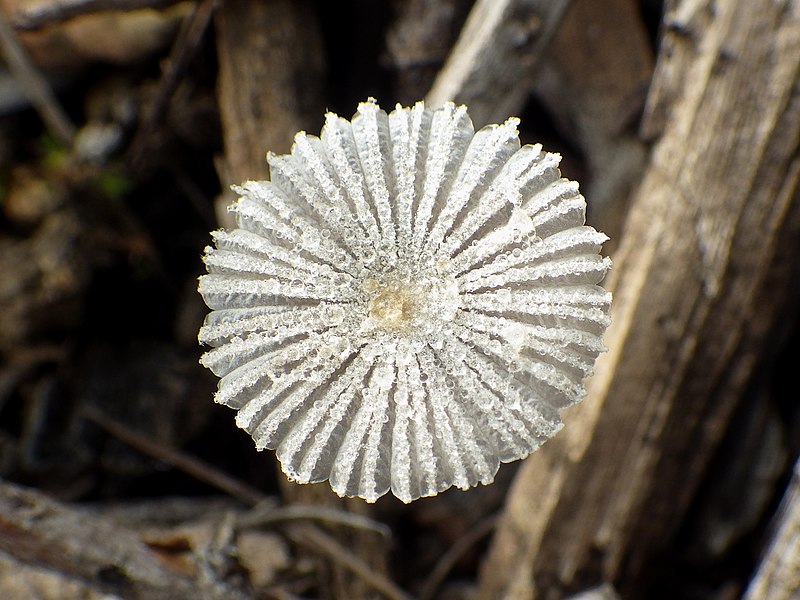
{"x": 593, "y": 79}
{"x": 491, "y": 66}
{"x": 52, "y": 546}
{"x": 271, "y": 67}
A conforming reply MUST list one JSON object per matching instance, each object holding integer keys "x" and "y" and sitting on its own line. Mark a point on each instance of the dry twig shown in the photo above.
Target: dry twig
{"x": 268, "y": 514}
{"x": 109, "y": 559}
{"x": 180, "y": 460}
{"x": 327, "y": 546}
{"x": 182, "y": 52}
{"x": 778, "y": 577}
{"x": 35, "y": 85}
{"x": 454, "y": 554}
{"x": 306, "y": 535}
{"x": 491, "y": 66}
{"x": 58, "y": 11}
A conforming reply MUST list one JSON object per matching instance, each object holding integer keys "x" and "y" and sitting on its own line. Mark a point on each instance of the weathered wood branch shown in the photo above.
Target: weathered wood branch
{"x": 491, "y": 66}
{"x": 46, "y": 13}
{"x": 34, "y": 85}
{"x": 271, "y": 69}
{"x": 82, "y": 548}
{"x": 701, "y": 280}
{"x": 593, "y": 80}
{"x": 418, "y": 42}
{"x": 778, "y": 577}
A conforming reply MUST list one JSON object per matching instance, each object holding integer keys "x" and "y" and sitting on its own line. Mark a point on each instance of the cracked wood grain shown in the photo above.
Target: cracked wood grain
{"x": 491, "y": 67}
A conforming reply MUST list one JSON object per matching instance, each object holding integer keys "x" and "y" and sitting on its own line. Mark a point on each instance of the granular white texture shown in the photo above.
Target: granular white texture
{"x": 406, "y": 304}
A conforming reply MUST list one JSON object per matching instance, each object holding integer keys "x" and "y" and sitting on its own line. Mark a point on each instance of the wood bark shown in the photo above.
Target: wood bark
{"x": 88, "y": 552}
{"x": 701, "y": 280}
{"x": 491, "y": 66}
{"x": 418, "y": 42}
{"x": 271, "y": 69}
{"x": 593, "y": 79}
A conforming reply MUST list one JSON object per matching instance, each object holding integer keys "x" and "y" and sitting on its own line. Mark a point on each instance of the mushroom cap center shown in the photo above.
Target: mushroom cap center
{"x": 393, "y": 307}
{"x": 403, "y": 304}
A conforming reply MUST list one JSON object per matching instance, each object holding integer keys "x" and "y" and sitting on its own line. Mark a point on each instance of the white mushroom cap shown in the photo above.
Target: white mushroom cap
{"x": 406, "y": 304}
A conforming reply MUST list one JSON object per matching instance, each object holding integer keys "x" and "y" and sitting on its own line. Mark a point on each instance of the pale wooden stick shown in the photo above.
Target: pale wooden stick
{"x": 46, "y": 13}
{"x": 323, "y": 544}
{"x": 35, "y": 85}
{"x": 778, "y": 576}
{"x": 491, "y": 66}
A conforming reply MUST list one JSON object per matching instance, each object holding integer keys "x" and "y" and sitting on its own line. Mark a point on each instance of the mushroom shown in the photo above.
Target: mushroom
{"x": 406, "y": 304}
